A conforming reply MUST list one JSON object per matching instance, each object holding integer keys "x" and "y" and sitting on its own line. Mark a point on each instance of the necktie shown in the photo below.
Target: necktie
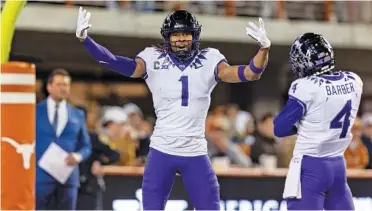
{"x": 55, "y": 120}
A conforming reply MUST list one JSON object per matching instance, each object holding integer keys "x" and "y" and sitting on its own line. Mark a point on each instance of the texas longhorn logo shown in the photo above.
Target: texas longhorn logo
{"x": 25, "y": 150}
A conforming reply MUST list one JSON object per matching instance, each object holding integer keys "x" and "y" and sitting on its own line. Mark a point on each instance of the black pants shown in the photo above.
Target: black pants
{"x": 56, "y": 197}
{"x": 90, "y": 201}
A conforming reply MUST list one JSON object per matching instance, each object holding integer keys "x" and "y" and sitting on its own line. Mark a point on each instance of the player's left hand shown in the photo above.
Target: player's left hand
{"x": 258, "y": 33}
{"x": 82, "y": 25}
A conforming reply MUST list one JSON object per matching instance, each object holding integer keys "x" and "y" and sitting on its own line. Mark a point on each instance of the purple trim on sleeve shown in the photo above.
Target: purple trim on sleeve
{"x": 216, "y": 70}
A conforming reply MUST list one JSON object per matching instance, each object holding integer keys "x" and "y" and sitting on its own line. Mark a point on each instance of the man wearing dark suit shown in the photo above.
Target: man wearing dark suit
{"x": 90, "y": 195}
{"x": 59, "y": 122}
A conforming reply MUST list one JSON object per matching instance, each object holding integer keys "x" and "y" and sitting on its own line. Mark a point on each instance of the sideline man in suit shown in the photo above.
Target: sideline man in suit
{"x": 59, "y": 122}
{"x": 90, "y": 195}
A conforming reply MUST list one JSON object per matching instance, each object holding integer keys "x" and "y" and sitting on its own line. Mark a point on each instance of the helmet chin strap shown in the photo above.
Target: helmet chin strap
{"x": 182, "y": 55}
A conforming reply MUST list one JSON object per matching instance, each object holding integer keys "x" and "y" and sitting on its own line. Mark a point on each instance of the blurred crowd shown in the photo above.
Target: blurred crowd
{"x": 120, "y": 134}
{"x": 340, "y": 11}
{"x": 235, "y": 138}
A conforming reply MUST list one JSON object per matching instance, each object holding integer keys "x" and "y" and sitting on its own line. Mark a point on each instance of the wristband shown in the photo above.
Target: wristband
{"x": 255, "y": 69}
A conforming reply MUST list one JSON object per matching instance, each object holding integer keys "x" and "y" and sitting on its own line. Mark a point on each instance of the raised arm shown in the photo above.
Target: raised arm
{"x": 253, "y": 71}
{"x": 243, "y": 73}
{"x": 133, "y": 68}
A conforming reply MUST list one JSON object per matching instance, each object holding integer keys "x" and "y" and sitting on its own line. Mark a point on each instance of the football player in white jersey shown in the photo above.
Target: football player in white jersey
{"x": 321, "y": 109}
{"x": 181, "y": 78}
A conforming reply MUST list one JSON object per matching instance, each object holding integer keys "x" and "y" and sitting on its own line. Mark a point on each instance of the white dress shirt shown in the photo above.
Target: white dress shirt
{"x": 62, "y": 119}
{"x": 62, "y": 114}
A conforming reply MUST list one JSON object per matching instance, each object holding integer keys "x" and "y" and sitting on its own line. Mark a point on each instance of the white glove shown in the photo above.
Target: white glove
{"x": 258, "y": 33}
{"x": 82, "y": 24}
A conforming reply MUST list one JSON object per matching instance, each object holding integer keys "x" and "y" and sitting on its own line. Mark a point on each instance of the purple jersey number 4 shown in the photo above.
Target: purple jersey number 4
{"x": 342, "y": 119}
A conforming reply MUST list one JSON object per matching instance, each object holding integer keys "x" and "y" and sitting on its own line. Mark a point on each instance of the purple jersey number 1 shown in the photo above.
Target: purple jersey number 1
{"x": 185, "y": 90}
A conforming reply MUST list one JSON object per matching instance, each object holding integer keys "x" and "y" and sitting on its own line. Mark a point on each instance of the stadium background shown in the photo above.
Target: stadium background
{"x": 45, "y": 36}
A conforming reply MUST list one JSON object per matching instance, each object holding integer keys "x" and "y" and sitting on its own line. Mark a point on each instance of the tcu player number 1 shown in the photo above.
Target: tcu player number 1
{"x": 185, "y": 90}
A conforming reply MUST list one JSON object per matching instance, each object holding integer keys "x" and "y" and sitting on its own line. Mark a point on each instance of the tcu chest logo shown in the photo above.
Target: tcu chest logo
{"x": 25, "y": 150}
{"x": 164, "y": 65}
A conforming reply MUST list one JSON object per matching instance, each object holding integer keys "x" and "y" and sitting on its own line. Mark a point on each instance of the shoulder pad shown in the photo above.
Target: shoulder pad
{"x": 304, "y": 87}
{"x": 210, "y": 50}
{"x": 213, "y": 53}
{"x": 150, "y": 52}
{"x": 354, "y": 76}
{"x": 311, "y": 82}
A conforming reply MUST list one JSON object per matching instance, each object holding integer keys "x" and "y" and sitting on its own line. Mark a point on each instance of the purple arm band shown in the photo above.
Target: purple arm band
{"x": 255, "y": 69}
{"x": 216, "y": 70}
{"x": 120, "y": 64}
{"x": 241, "y": 73}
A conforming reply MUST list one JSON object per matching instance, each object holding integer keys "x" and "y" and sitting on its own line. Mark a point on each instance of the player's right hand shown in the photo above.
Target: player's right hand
{"x": 258, "y": 33}
{"x": 82, "y": 24}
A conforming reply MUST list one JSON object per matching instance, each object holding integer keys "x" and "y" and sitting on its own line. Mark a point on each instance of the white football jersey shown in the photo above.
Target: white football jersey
{"x": 331, "y": 104}
{"x": 181, "y": 97}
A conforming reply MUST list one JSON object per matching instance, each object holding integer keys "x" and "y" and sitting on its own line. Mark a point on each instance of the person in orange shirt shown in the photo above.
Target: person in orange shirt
{"x": 356, "y": 154}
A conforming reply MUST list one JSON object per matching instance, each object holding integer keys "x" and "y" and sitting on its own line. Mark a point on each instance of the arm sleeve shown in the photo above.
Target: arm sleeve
{"x": 300, "y": 97}
{"x": 284, "y": 123}
{"x": 102, "y": 55}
